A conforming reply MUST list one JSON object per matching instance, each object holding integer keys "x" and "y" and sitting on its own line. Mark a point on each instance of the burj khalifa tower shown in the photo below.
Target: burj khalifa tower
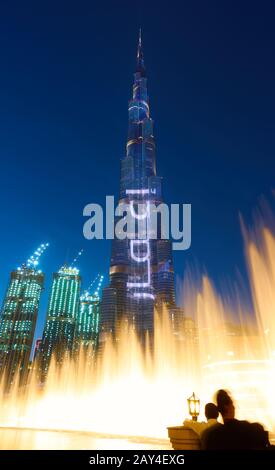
{"x": 141, "y": 268}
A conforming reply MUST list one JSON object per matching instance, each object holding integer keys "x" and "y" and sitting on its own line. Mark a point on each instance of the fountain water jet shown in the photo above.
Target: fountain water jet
{"x": 128, "y": 392}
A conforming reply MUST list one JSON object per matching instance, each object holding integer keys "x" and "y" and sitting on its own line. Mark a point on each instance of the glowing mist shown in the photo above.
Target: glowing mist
{"x": 128, "y": 392}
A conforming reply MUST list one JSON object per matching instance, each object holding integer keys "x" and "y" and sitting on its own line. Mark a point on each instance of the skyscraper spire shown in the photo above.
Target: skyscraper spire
{"x": 140, "y": 60}
{"x": 141, "y": 270}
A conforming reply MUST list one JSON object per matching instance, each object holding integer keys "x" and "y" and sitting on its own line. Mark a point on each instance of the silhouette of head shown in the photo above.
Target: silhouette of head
{"x": 225, "y": 405}
{"x": 211, "y": 411}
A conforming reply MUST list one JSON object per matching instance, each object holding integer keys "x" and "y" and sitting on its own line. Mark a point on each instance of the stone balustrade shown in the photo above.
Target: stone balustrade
{"x": 183, "y": 438}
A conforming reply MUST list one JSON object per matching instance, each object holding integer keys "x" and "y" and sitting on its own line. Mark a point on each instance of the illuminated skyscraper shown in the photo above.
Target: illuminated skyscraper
{"x": 18, "y": 318}
{"x": 141, "y": 270}
{"x": 58, "y": 335}
{"x": 87, "y": 322}
{"x": 37, "y": 348}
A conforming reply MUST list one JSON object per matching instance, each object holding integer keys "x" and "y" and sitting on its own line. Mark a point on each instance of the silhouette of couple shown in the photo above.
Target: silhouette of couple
{"x": 233, "y": 433}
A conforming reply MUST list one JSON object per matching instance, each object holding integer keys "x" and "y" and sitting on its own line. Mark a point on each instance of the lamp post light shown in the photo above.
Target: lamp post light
{"x": 194, "y": 406}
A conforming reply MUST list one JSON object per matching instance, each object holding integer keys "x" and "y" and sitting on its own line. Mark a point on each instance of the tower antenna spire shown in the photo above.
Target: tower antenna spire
{"x": 140, "y": 60}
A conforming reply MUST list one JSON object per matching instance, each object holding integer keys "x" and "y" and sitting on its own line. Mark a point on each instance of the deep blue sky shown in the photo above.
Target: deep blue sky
{"x": 66, "y": 71}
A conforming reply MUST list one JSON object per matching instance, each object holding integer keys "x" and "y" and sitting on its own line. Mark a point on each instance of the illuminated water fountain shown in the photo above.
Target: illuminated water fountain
{"x": 131, "y": 393}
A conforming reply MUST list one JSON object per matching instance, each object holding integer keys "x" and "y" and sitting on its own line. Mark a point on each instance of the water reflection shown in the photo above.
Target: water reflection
{"x": 26, "y": 439}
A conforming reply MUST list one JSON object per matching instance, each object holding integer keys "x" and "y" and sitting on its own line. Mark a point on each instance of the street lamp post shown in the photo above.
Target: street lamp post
{"x": 194, "y": 406}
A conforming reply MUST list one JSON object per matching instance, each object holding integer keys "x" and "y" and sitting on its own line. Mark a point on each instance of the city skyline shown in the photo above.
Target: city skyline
{"x": 52, "y": 137}
{"x": 137, "y": 238}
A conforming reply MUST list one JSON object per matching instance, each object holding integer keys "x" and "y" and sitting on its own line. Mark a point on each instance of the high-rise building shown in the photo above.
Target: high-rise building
{"x": 141, "y": 270}
{"x": 109, "y": 313}
{"x": 37, "y": 349}
{"x": 18, "y": 318}
{"x": 87, "y": 322}
{"x": 59, "y": 330}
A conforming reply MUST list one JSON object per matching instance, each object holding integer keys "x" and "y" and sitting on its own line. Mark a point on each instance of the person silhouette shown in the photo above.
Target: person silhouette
{"x": 211, "y": 414}
{"x": 234, "y": 434}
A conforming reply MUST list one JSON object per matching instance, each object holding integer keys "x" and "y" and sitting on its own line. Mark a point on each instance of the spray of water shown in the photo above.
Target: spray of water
{"x": 131, "y": 393}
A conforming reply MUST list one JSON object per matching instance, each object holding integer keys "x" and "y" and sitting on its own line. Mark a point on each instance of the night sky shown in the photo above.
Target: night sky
{"x": 66, "y": 74}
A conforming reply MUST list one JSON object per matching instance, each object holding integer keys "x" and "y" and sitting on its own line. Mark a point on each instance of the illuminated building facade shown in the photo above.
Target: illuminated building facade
{"x": 58, "y": 335}
{"x": 18, "y": 319}
{"x": 141, "y": 268}
{"x": 87, "y": 325}
{"x": 87, "y": 322}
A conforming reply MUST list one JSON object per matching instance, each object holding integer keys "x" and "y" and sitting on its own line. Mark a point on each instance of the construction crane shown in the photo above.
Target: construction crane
{"x": 33, "y": 260}
{"x": 77, "y": 257}
{"x": 97, "y": 284}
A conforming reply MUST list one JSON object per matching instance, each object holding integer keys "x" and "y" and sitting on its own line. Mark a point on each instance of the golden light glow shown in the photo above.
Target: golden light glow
{"x": 131, "y": 393}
